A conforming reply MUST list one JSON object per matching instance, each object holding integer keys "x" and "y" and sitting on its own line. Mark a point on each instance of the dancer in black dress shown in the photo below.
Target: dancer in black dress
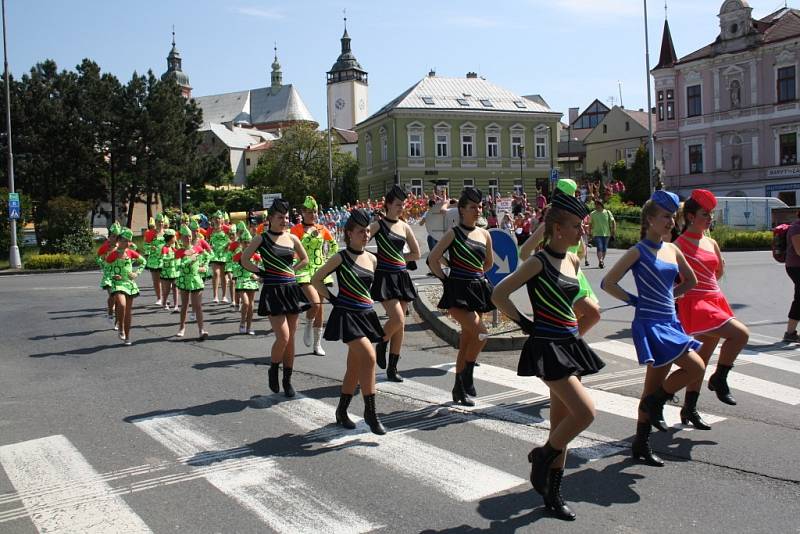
{"x": 281, "y": 298}
{"x": 353, "y": 319}
{"x": 467, "y": 292}
{"x": 392, "y": 286}
{"x": 555, "y": 352}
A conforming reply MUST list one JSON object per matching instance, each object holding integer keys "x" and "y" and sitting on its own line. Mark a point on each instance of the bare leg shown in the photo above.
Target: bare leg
{"x": 128, "y": 315}
{"x": 396, "y": 342}
{"x": 197, "y": 307}
{"x": 364, "y": 354}
{"x": 579, "y": 407}
{"x": 691, "y": 368}
{"x": 184, "y": 309}
{"x": 155, "y": 277}
{"x": 119, "y": 310}
{"x": 396, "y": 320}
{"x": 288, "y": 351}
{"x": 705, "y": 352}
{"x": 653, "y": 379}
{"x": 280, "y": 327}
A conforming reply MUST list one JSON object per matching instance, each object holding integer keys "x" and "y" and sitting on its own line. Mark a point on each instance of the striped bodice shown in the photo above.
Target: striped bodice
{"x": 276, "y": 262}
{"x": 551, "y": 294}
{"x": 704, "y": 263}
{"x": 654, "y": 280}
{"x": 354, "y": 283}
{"x": 390, "y": 249}
{"x": 466, "y": 256}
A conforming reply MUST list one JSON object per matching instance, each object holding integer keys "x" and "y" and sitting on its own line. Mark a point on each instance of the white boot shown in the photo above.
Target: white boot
{"x": 307, "y": 332}
{"x": 318, "y": 350}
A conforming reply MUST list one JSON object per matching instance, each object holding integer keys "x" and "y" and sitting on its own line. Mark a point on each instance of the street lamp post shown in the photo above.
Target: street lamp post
{"x": 521, "y": 152}
{"x": 569, "y": 151}
{"x": 14, "y": 260}
{"x": 652, "y": 143}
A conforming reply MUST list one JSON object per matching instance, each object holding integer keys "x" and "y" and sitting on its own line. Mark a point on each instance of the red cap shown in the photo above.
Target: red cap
{"x": 705, "y": 199}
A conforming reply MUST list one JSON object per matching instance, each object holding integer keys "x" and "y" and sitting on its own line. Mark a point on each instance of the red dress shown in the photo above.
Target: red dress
{"x": 704, "y": 308}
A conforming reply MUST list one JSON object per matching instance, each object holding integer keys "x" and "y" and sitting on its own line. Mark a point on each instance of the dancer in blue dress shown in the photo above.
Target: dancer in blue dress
{"x": 657, "y": 334}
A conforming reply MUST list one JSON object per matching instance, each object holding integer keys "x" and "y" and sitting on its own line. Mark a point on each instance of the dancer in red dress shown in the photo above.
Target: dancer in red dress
{"x": 704, "y": 311}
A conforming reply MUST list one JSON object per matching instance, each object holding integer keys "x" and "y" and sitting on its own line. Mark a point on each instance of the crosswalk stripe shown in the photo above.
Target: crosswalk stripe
{"x": 506, "y": 420}
{"x": 460, "y": 478}
{"x": 769, "y": 360}
{"x": 284, "y": 502}
{"x": 612, "y": 403}
{"x": 748, "y": 384}
{"x": 54, "y": 461}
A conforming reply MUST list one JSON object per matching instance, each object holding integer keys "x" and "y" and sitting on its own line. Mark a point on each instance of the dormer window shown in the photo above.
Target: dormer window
{"x": 427, "y": 100}
{"x": 734, "y": 28}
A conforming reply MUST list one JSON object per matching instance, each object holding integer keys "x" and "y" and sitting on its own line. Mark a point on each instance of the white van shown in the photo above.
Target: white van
{"x": 746, "y": 213}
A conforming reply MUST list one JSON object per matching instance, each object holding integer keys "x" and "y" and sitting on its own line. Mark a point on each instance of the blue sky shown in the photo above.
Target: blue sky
{"x": 569, "y": 51}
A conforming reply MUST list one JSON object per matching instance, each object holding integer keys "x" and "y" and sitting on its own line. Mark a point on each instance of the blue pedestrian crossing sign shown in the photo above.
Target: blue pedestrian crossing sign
{"x": 13, "y": 206}
{"x": 506, "y": 256}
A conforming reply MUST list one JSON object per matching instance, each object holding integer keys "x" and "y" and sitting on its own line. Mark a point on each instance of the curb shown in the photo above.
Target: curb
{"x": 13, "y": 272}
{"x": 450, "y": 332}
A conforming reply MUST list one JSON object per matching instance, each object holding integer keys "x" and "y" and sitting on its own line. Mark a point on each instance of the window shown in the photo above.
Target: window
{"x": 593, "y": 116}
{"x": 661, "y": 111}
{"x": 384, "y": 146}
{"x": 627, "y": 126}
{"x": 605, "y": 128}
{"x": 467, "y": 145}
{"x": 630, "y": 156}
{"x": 540, "y": 142}
{"x": 520, "y": 104}
{"x": 516, "y": 145}
{"x": 247, "y": 161}
{"x": 469, "y": 182}
{"x": 441, "y": 145}
{"x": 462, "y": 101}
{"x": 415, "y": 145}
{"x": 660, "y": 96}
{"x": 695, "y": 159}
{"x": 428, "y": 100}
{"x": 416, "y": 187}
{"x": 485, "y": 102}
{"x": 788, "y": 148}
{"x": 786, "y": 84}
{"x": 694, "y": 106}
{"x": 492, "y": 146}
{"x": 368, "y": 145}
{"x": 493, "y": 187}
{"x": 670, "y": 105}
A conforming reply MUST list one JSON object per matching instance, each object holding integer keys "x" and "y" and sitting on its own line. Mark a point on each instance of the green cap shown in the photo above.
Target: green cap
{"x": 567, "y": 186}
{"x": 246, "y": 235}
{"x": 217, "y": 215}
{"x": 193, "y": 225}
{"x": 115, "y": 229}
{"x": 310, "y": 203}
{"x": 232, "y": 230}
{"x": 185, "y": 231}
{"x": 159, "y": 217}
{"x": 241, "y": 227}
{"x": 169, "y": 232}
{"x": 126, "y": 233}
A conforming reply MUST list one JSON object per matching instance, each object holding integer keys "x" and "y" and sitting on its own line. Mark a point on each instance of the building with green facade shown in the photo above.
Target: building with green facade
{"x": 465, "y": 131}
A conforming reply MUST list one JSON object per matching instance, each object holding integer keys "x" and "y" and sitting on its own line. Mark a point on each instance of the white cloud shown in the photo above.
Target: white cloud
{"x": 259, "y": 12}
{"x": 473, "y": 22}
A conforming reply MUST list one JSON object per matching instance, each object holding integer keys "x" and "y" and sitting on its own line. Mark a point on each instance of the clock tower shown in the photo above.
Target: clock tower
{"x": 348, "y": 102}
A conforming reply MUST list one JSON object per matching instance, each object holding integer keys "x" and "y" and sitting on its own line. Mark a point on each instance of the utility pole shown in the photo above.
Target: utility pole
{"x": 330, "y": 149}
{"x": 14, "y": 259}
{"x": 652, "y": 150}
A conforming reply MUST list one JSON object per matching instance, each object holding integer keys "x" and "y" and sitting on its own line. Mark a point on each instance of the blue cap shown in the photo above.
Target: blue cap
{"x": 666, "y": 200}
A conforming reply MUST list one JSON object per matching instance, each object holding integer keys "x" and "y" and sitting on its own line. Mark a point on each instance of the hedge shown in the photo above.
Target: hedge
{"x": 727, "y": 238}
{"x": 56, "y": 261}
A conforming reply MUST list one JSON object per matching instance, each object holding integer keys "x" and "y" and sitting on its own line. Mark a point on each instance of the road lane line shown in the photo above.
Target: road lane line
{"x": 612, "y": 403}
{"x": 283, "y": 501}
{"x": 54, "y": 461}
{"x": 454, "y": 475}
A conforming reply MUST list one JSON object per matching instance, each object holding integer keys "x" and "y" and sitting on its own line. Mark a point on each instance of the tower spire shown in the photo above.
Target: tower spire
{"x": 668, "y": 57}
{"x": 276, "y": 78}
{"x": 173, "y": 36}
{"x": 174, "y": 69}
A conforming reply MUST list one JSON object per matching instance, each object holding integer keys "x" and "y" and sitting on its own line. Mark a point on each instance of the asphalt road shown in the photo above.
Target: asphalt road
{"x": 174, "y": 435}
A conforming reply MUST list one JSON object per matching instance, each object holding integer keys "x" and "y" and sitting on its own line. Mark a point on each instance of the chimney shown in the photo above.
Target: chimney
{"x": 472, "y": 75}
{"x": 573, "y": 115}
{"x": 641, "y": 109}
{"x": 431, "y": 73}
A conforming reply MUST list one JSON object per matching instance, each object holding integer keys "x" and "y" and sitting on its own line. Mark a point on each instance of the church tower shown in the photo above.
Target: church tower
{"x": 348, "y": 102}
{"x": 174, "y": 71}
{"x": 276, "y": 78}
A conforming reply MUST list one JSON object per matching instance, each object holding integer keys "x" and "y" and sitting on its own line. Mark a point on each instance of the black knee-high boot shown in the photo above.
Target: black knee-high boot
{"x": 288, "y": 390}
{"x": 469, "y": 383}
{"x": 653, "y": 406}
{"x": 553, "y": 500}
{"x": 371, "y": 417}
{"x": 718, "y": 383}
{"x": 459, "y": 395}
{"x": 540, "y": 459}
{"x": 341, "y": 411}
{"x": 272, "y": 374}
{"x": 391, "y": 370}
{"x": 689, "y": 412}
{"x": 641, "y": 446}
{"x": 380, "y": 353}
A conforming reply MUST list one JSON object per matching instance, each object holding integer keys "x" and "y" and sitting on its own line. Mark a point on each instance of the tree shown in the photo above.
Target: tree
{"x": 637, "y": 184}
{"x": 619, "y": 170}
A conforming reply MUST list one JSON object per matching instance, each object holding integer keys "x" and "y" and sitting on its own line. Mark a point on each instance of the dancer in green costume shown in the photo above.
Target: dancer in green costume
{"x": 123, "y": 281}
{"x": 585, "y": 304}
{"x": 105, "y": 281}
{"x": 190, "y": 281}
{"x": 151, "y": 250}
{"x": 219, "y": 247}
{"x": 233, "y": 244}
{"x": 246, "y": 284}
{"x": 169, "y": 270}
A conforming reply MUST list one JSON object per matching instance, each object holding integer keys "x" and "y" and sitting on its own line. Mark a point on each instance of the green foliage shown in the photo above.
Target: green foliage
{"x": 637, "y": 182}
{"x": 66, "y": 228}
{"x": 56, "y": 261}
{"x": 619, "y": 170}
{"x": 627, "y": 235}
{"x": 731, "y": 239}
{"x": 623, "y": 211}
{"x": 5, "y": 223}
{"x": 230, "y": 200}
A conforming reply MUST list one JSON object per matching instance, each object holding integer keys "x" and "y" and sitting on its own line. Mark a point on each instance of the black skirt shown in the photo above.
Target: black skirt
{"x": 554, "y": 360}
{"x": 472, "y": 295}
{"x": 393, "y": 285}
{"x": 347, "y": 325}
{"x": 282, "y": 299}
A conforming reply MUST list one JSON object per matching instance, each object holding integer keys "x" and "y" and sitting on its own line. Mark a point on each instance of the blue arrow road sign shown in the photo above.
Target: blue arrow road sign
{"x": 506, "y": 257}
{"x": 13, "y": 213}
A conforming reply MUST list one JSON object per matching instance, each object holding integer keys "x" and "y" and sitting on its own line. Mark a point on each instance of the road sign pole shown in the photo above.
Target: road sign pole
{"x": 14, "y": 259}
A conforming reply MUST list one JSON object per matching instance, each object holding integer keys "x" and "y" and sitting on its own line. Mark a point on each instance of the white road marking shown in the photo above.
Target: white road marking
{"x": 458, "y": 477}
{"x": 748, "y": 384}
{"x": 612, "y": 403}
{"x": 80, "y": 502}
{"x": 284, "y": 502}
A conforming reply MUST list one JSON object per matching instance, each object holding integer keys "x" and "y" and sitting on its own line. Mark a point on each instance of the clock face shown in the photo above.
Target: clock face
{"x": 340, "y": 103}
{"x": 361, "y": 104}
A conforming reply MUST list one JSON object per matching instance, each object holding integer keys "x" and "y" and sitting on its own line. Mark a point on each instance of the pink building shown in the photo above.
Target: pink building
{"x": 728, "y": 115}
